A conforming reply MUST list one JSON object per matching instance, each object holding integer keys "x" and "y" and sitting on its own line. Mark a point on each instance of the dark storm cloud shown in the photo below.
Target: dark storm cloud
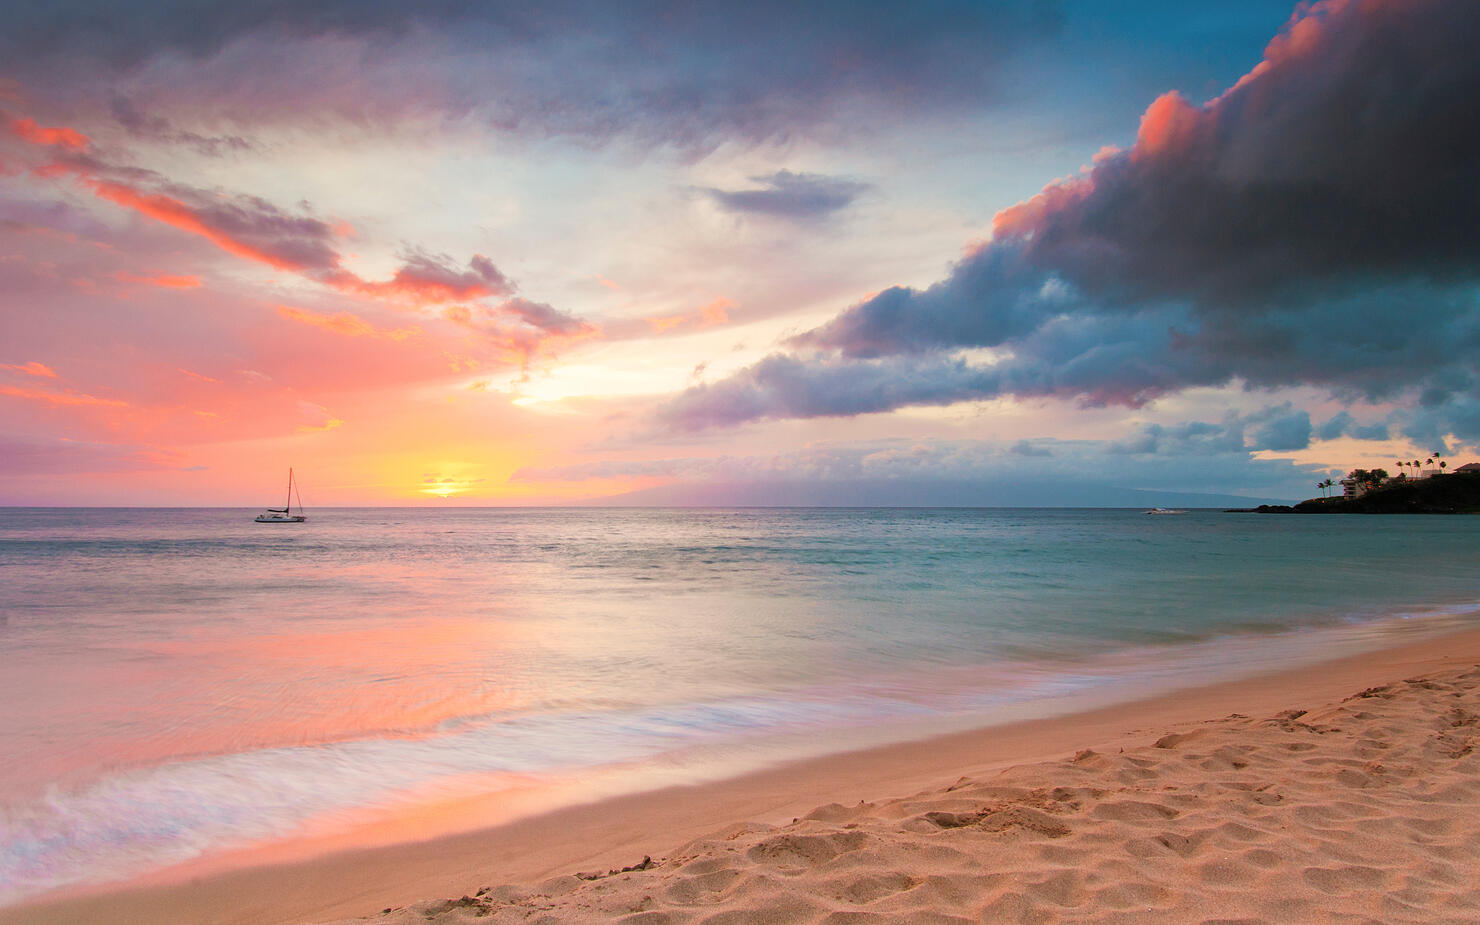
{"x": 1342, "y": 424}
{"x": 1275, "y": 427}
{"x": 1190, "y": 438}
{"x": 661, "y": 68}
{"x": 1288, "y": 431}
{"x": 791, "y": 195}
{"x": 785, "y": 386}
{"x": 1348, "y": 155}
{"x": 1317, "y": 224}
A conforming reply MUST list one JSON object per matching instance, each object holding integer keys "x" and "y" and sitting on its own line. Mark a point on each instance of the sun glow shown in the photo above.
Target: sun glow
{"x": 447, "y": 487}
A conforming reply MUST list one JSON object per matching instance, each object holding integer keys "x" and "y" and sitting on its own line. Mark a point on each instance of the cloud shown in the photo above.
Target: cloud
{"x": 1188, "y": 438}
{"x": 256, "y": 230}
{"x": 65, "y": 397}
{"x": 21, "y": 456}
{"x": 1027, "y": 448}
{"x": 782, "y": 386}
{"x": 1342, "y": 424}
{"x": 315, "y": 417}
{"x": 158, "y": 128}
{"x": 666, "y": 70}
{"x": 1317, "y": 224}
{"x": 244, "y": 226}
{"x": 519, "y": 330}
{"x": 31, "y": 368}
{"x": 936, "y": 471}
{"x": 345, "y": 323}
{"x": 707, "y": 316}
{"x": 1280, "y": 428}
{"x": 428, "y": 279}
{"x": 51, "y": 136}
{"x": 1285, "y": 432}
{"x": 791, "y": 195}
{"x": 542, "y": 316}
{"x": 159, "y": 280}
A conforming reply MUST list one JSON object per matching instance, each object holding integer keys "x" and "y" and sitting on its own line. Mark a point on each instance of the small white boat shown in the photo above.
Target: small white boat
{"x": 284, "y": 514}
{"x": 1165, "y": 510}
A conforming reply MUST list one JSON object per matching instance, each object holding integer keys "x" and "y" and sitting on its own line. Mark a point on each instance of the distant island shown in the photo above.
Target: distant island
{"x": 1450, "y": 493}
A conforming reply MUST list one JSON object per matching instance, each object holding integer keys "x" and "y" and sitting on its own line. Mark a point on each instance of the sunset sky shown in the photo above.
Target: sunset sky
{"x": 837, "y": 252}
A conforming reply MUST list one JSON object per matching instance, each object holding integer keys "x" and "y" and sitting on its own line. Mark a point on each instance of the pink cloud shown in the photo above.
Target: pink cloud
{"x": 346, "y": 323}
{"x": 60, "y": 398}
{"x": 1024, "y": 217}
{"x": 254, "y": 230}
{"x": 31, "y": 368}
{"x": 173, "y": 212}
{"x": 711, "y": 315}
{"x": 162, "y": 280}
{"x": 49, "y": 136}
{"x": 1169, "y": 127}
{"x": 423, "y": 280}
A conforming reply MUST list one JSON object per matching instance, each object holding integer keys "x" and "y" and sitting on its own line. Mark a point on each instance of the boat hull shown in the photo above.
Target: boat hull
{"x": 278, "y": 519}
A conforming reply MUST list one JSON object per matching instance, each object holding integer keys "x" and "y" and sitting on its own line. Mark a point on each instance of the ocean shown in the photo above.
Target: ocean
{"x": 187, "y": 685}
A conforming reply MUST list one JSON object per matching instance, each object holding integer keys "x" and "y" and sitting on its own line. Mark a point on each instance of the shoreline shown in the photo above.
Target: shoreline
{"x": 620, "y": 831}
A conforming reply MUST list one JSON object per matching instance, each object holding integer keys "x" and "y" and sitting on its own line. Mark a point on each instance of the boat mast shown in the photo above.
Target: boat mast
{"x": 288, "y": 505}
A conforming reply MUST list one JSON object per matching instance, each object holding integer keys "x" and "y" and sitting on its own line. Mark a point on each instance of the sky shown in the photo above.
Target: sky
{"x": 933, "y": 252}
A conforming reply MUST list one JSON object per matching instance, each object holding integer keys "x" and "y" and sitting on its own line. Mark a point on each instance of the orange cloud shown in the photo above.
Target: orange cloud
{"x": 329, "y": 424}
{"x": 320, "y": 417}
{"x": 32, "y": 369}
{"x": 345, "y": 323}
{"x": 516, "y": 330}
{"x": 174, "y": 212}
{"x": 1169, "y": 124}
{"x": 1026, "y": 216}
{"x": 163, "y": 281}
{"x": 60, "y": 398}
{"x": 715, "y": 313}
{"x": 58, "y": 136}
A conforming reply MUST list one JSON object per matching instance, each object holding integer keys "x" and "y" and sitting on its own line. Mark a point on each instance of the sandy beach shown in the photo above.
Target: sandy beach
{"x": 1344, "y": 791}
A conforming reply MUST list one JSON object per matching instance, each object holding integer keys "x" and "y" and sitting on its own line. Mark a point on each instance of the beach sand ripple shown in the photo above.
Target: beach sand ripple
{"x": 1357, "y": 811}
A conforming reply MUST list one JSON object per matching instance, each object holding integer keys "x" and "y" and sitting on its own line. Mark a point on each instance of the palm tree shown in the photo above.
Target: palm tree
{"x": 1400, "y": 464}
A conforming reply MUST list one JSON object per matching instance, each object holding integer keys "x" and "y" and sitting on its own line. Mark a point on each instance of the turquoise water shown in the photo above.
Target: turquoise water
{"x": 182, "y": 683}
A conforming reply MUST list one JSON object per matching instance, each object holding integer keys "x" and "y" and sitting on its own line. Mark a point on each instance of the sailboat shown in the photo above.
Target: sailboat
{"x": 284, "y": 514}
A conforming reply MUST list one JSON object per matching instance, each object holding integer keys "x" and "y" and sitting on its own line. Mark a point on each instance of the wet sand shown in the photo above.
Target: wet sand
{"x": 1342, "y": 791}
